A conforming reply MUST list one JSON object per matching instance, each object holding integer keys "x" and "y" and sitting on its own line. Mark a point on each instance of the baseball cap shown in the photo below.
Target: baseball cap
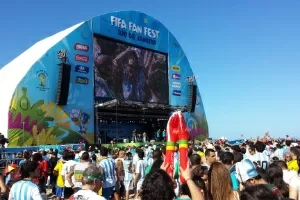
{"x": 246, "y": 170}
{"x": 92, "y": 173}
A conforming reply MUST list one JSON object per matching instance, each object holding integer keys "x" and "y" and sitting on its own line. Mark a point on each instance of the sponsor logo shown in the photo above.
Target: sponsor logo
{"x": 176, "y": 68}
{"x": 81, "y": 47}
{"x": 42, "y": 76}
{"x": 176, "y": 76}
{"x": 176, "y": 85}
{"x": 82, "y": 80}
{"x": 81, "y": 69}
{"x": 176, "y": 92}
{"x": 81, "y": 58}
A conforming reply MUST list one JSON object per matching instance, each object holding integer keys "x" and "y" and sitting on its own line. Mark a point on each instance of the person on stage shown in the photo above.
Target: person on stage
{"x": 164, "y": 134}
{"x": 134, "y": 135}
{"x": 144, "y": 137}
{"x": 158, "y": 135}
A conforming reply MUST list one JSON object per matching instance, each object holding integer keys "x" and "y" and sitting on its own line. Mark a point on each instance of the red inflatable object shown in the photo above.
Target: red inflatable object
{"x": 177, "y": 132}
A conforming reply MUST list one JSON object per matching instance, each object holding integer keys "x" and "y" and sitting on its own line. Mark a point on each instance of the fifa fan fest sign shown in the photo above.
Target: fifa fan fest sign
{"x": 177, "y": 132}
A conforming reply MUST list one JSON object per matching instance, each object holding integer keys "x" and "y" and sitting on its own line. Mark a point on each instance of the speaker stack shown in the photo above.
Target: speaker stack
{"x": 63, "y": 84}
{"x": 192, "y": 98}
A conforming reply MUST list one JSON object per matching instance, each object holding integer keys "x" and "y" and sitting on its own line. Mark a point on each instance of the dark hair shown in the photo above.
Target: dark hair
{"x": 281, "y": 164}
{"x": 85, "y": 156}
{"x": 208, "y": 151}
{"x": 195, "y": 159}
{"x": 44, "y": 153}
{"x": 37, "y": 157}
{"x": 260, "y": 146}
{"x": 27, "y": 155}
{"x": 190, "y": 152}
{"x": 71, "y": 155}
{"x": 27, "y": 168}
{"x": 275, "y": 176}
{"x": 141, "y": 154}
{"x": 257, "y": 192}
{"x": 104, "y": 151}
{"x": 157, "y": 185}
{"x": 184, "y": 188}
{"x": 157, "y": 164}
{"x": 65, "y": 155}
{"x": 156, "y": 154}
{"x": 288, "y": 142}
{"x": 227, "y": 158}
{"x": 236, "y": 148}
{"x": 237, "y": 157}
{"x": 218, "y": 148}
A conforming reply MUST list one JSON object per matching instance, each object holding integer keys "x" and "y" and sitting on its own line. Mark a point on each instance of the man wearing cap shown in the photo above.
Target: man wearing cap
{"x": 248, "y": 175}
{"x": 91, "y": 183}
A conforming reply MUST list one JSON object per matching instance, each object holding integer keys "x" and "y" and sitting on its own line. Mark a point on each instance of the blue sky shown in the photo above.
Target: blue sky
{"x": 246, "y": 54}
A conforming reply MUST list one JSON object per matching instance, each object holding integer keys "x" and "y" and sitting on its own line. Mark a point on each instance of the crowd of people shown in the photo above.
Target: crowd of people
{"x": 259, "y": 169}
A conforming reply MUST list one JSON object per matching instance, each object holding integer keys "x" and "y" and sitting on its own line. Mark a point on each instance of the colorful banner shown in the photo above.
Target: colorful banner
{"x": 34, "y": 116}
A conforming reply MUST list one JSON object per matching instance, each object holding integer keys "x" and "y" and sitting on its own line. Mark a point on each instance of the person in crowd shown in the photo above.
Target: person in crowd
{"x": 210, "y": 157}
{"x": 91, "y": 184}
{"x": 119, "y": 188}
{"x": 43, "y": 166}
{"x": 128, "y": 174}
{"x": 140, "y": 172}
{"x": 287, "y": 174}
{"x": 60, "y": 183}
{"x": 45, "y": 156}
{"x": 4, "y": 192}
{"x": 228, "y": 160}
{"x": 219, "y": 183}
{"x": 26, "y": 156}
{"x": 294, "y": 192}
{"x": 26, "y": 189}
{"x": 66, "y": 169}
{"x": 195, "y": 160}
{"x": 159, "y": 185}
{"x": 260, "y": 156}
{"x": 279, "y": 151}
{"x": 108, "y": 171}
{"x": 257, "y": 192}
{"x": 77, "y": 171}
{"x": 157, "y": 161}
{"x": 275, "y": 177}
{"x": 52, "y": 163}
{"x": 248, "y": 175}
{"x": 292, "y": 164}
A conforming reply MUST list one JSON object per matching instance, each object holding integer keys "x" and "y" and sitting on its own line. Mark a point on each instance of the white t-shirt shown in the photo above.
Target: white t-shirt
{"x": 78, "y": 173}
{"x": 135, "y": 159}
{"x": 288, "y": 175}
{"x": 87, "y": 195}
{"x": 295, "y": 184}
{"x": 66, "y": 169}
{"x": 261, "y": 159}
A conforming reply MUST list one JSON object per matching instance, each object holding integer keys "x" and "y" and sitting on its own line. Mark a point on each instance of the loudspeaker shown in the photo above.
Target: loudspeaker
{"x": 63, "y": 84}
{"x": 192, "y": 98}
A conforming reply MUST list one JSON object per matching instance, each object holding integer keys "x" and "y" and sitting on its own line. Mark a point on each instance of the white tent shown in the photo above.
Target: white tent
{"x": 12, "y": 73}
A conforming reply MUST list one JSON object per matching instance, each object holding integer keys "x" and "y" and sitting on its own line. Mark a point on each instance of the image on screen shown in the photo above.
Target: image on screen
{"x": 129, "y": 73}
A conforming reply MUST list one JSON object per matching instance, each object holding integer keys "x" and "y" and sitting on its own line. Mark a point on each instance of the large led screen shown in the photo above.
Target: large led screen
{"x": 129, "y": 73}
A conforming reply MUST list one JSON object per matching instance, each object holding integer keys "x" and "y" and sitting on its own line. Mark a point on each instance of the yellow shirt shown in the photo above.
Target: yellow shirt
{"x": 293, "y": 165}
{"x": 60, "y": 180}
